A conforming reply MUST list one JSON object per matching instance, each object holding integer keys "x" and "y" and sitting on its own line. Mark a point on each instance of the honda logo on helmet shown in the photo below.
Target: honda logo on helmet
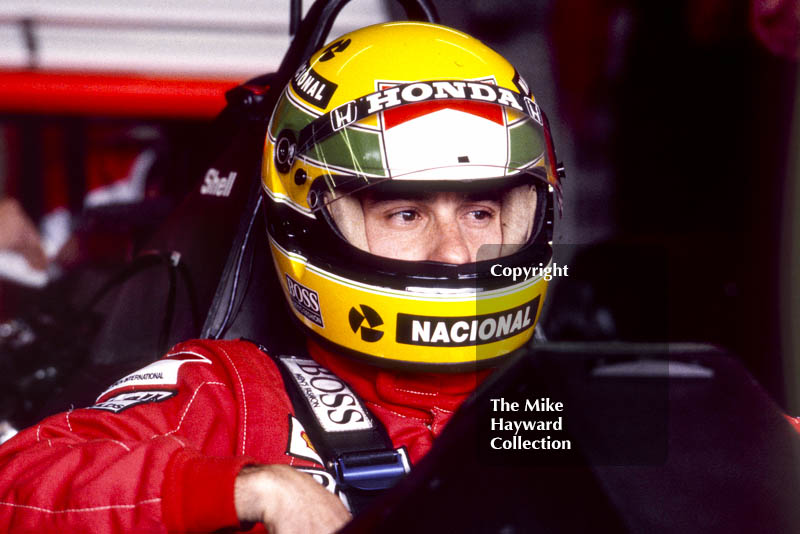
{"x": 343, "y": 115}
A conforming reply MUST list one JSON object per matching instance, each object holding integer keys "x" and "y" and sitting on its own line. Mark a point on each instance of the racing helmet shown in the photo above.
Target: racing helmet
{"x": 393, "y": 108}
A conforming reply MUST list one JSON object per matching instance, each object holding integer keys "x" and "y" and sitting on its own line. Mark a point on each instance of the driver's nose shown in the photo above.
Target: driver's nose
{"x": 448, "y": 244}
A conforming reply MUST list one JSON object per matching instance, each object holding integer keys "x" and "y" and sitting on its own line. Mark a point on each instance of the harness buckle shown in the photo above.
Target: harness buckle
{"x": 371, "y": 470}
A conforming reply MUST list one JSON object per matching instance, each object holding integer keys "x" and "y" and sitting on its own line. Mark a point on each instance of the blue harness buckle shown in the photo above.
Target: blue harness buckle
{"x": 371, "y": 470}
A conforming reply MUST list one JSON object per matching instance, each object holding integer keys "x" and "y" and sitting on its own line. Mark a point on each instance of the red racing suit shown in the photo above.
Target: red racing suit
{"x": 162, "y": 447}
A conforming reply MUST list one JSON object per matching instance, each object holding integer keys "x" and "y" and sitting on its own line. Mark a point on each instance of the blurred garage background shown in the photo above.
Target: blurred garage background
{"x": 675, "y": 121}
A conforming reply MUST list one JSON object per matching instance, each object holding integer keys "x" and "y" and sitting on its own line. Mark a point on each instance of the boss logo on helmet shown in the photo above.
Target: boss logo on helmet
{"x": 305, "y": 300}
{"x": 312, "y": 87}
{"x": 468, "y": 330}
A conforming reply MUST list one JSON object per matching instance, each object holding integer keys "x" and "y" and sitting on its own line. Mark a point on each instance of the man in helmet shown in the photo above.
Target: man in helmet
{"x": 403, "y": 164}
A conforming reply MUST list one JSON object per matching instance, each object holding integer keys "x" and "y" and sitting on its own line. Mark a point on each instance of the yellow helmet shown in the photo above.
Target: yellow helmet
{"x": 408, "y": 105}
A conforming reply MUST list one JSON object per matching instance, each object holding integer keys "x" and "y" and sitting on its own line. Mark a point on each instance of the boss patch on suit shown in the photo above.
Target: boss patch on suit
{"x": 335, "y": 406}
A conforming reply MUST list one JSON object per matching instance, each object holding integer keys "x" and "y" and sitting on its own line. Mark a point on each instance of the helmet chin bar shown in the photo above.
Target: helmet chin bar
{"x": 452, "y": 332}
{"x": 472, "y": 365}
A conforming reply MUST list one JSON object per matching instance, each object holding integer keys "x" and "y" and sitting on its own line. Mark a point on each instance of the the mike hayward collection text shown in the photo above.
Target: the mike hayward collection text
{"x": 510, "y": 432}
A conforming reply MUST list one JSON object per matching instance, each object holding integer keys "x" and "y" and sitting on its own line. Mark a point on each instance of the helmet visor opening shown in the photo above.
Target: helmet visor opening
{"x": 439, "y": 221}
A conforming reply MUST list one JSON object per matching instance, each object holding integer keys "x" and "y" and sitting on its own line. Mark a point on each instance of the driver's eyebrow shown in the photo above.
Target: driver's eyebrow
{"x": 375, "y": 197}
{"x": 388, "y": 196}
{"x": 493, "y": 196}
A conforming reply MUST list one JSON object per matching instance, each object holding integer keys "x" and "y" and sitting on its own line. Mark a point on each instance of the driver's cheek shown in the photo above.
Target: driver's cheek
{"x": 409, "y": 242}
{"x": 478, "y": 235}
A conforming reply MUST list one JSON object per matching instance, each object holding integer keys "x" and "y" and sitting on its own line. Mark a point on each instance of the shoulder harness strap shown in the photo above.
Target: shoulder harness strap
{"x": 353, "y": 443}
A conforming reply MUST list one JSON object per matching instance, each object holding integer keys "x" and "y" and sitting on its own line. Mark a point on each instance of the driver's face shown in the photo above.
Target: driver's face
{"x": 443, "y": 226}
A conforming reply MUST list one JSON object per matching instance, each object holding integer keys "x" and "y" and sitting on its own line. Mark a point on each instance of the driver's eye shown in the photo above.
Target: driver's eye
{"x": 406, "y": 215}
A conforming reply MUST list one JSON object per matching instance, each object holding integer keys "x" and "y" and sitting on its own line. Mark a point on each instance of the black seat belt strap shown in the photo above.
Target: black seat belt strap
{"x": 353, "y": 443}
